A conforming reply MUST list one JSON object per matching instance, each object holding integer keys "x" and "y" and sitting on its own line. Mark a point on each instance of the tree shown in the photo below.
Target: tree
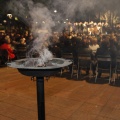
{"x": 111, "y": 17}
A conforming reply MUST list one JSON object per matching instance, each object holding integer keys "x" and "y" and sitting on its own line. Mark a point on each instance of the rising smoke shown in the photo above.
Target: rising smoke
{"x": 69, "y": 7}
{"x": 39, "y": 17}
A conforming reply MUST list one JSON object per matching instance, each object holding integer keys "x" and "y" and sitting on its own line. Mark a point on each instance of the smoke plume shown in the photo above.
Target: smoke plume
{"x": 40, "y": 17}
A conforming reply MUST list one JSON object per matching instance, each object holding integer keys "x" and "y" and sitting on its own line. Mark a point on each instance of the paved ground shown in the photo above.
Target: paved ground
{"x": 65, "y": 99}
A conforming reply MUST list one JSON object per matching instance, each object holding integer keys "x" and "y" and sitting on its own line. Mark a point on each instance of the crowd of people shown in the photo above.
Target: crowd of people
{"x": 15, "y": 44}
{"x": 66, "y": 41}
{"x": 97, "y": 44}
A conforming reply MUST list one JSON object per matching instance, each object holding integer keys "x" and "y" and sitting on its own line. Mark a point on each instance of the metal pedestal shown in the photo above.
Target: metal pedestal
{"x": 40, "y": 98}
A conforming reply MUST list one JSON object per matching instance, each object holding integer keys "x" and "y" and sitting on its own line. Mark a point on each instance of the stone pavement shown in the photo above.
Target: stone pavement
{"x": 65, "y": 99}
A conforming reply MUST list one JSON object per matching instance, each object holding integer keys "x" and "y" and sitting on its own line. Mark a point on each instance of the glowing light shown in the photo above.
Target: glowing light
{"x": 16, "y": 18}
{"x": 4, "y": 21}
{"x": 9, "y": 15}
{"x": 55, "y": 11}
